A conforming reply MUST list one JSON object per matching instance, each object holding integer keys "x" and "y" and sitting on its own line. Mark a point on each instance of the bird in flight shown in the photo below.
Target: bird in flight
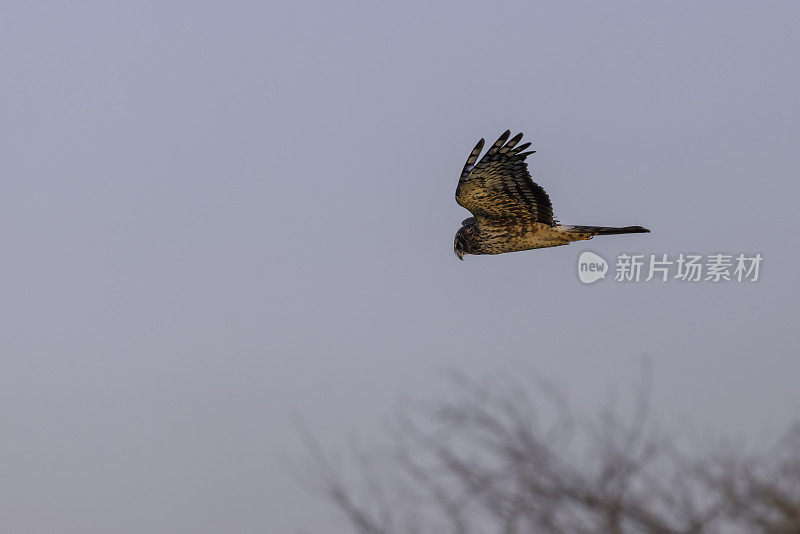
{"x": 510, "y": 211}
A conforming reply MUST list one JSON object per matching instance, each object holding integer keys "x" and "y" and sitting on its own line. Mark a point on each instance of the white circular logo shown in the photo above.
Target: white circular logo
{"x": 591, "y": 267}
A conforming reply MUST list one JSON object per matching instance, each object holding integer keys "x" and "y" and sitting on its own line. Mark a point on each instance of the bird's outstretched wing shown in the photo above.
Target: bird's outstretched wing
{"x": 499, "y": 186}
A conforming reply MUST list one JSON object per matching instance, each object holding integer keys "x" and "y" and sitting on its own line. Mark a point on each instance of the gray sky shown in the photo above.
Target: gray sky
{"x": 214, "y": 216}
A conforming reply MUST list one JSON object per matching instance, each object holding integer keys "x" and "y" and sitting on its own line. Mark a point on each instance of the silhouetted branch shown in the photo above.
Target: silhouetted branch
{"x": 510, "y": 457}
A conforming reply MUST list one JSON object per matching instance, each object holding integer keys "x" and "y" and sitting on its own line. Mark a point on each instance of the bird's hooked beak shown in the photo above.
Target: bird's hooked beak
{"x": 460, "y": 255}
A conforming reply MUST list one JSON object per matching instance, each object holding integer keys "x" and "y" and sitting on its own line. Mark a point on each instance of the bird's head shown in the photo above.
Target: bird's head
{"x": 463, "y": 243}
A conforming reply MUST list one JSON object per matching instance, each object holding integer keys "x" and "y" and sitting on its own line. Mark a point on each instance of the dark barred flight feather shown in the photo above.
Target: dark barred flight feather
{"x": 499, "y": 185}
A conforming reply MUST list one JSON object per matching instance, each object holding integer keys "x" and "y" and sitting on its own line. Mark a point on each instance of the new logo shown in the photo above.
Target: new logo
{"x": 591, "y": 267}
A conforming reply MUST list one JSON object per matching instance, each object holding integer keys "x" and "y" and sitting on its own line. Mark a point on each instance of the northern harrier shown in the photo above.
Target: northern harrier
{"x": 510, "y": 211}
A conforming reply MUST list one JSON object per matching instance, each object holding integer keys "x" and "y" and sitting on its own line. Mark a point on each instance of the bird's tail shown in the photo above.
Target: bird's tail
{"x": 606, "y": 230}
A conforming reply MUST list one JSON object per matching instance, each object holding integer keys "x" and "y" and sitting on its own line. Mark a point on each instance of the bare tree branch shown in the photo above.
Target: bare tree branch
{"x": 505, "y": 456}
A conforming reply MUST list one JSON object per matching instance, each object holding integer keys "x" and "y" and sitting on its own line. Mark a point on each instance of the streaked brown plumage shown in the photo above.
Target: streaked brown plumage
{"x": 510, "y": 211}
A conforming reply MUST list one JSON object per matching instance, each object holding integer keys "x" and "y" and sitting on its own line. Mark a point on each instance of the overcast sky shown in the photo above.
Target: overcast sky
{"x": 216, "y": 216}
